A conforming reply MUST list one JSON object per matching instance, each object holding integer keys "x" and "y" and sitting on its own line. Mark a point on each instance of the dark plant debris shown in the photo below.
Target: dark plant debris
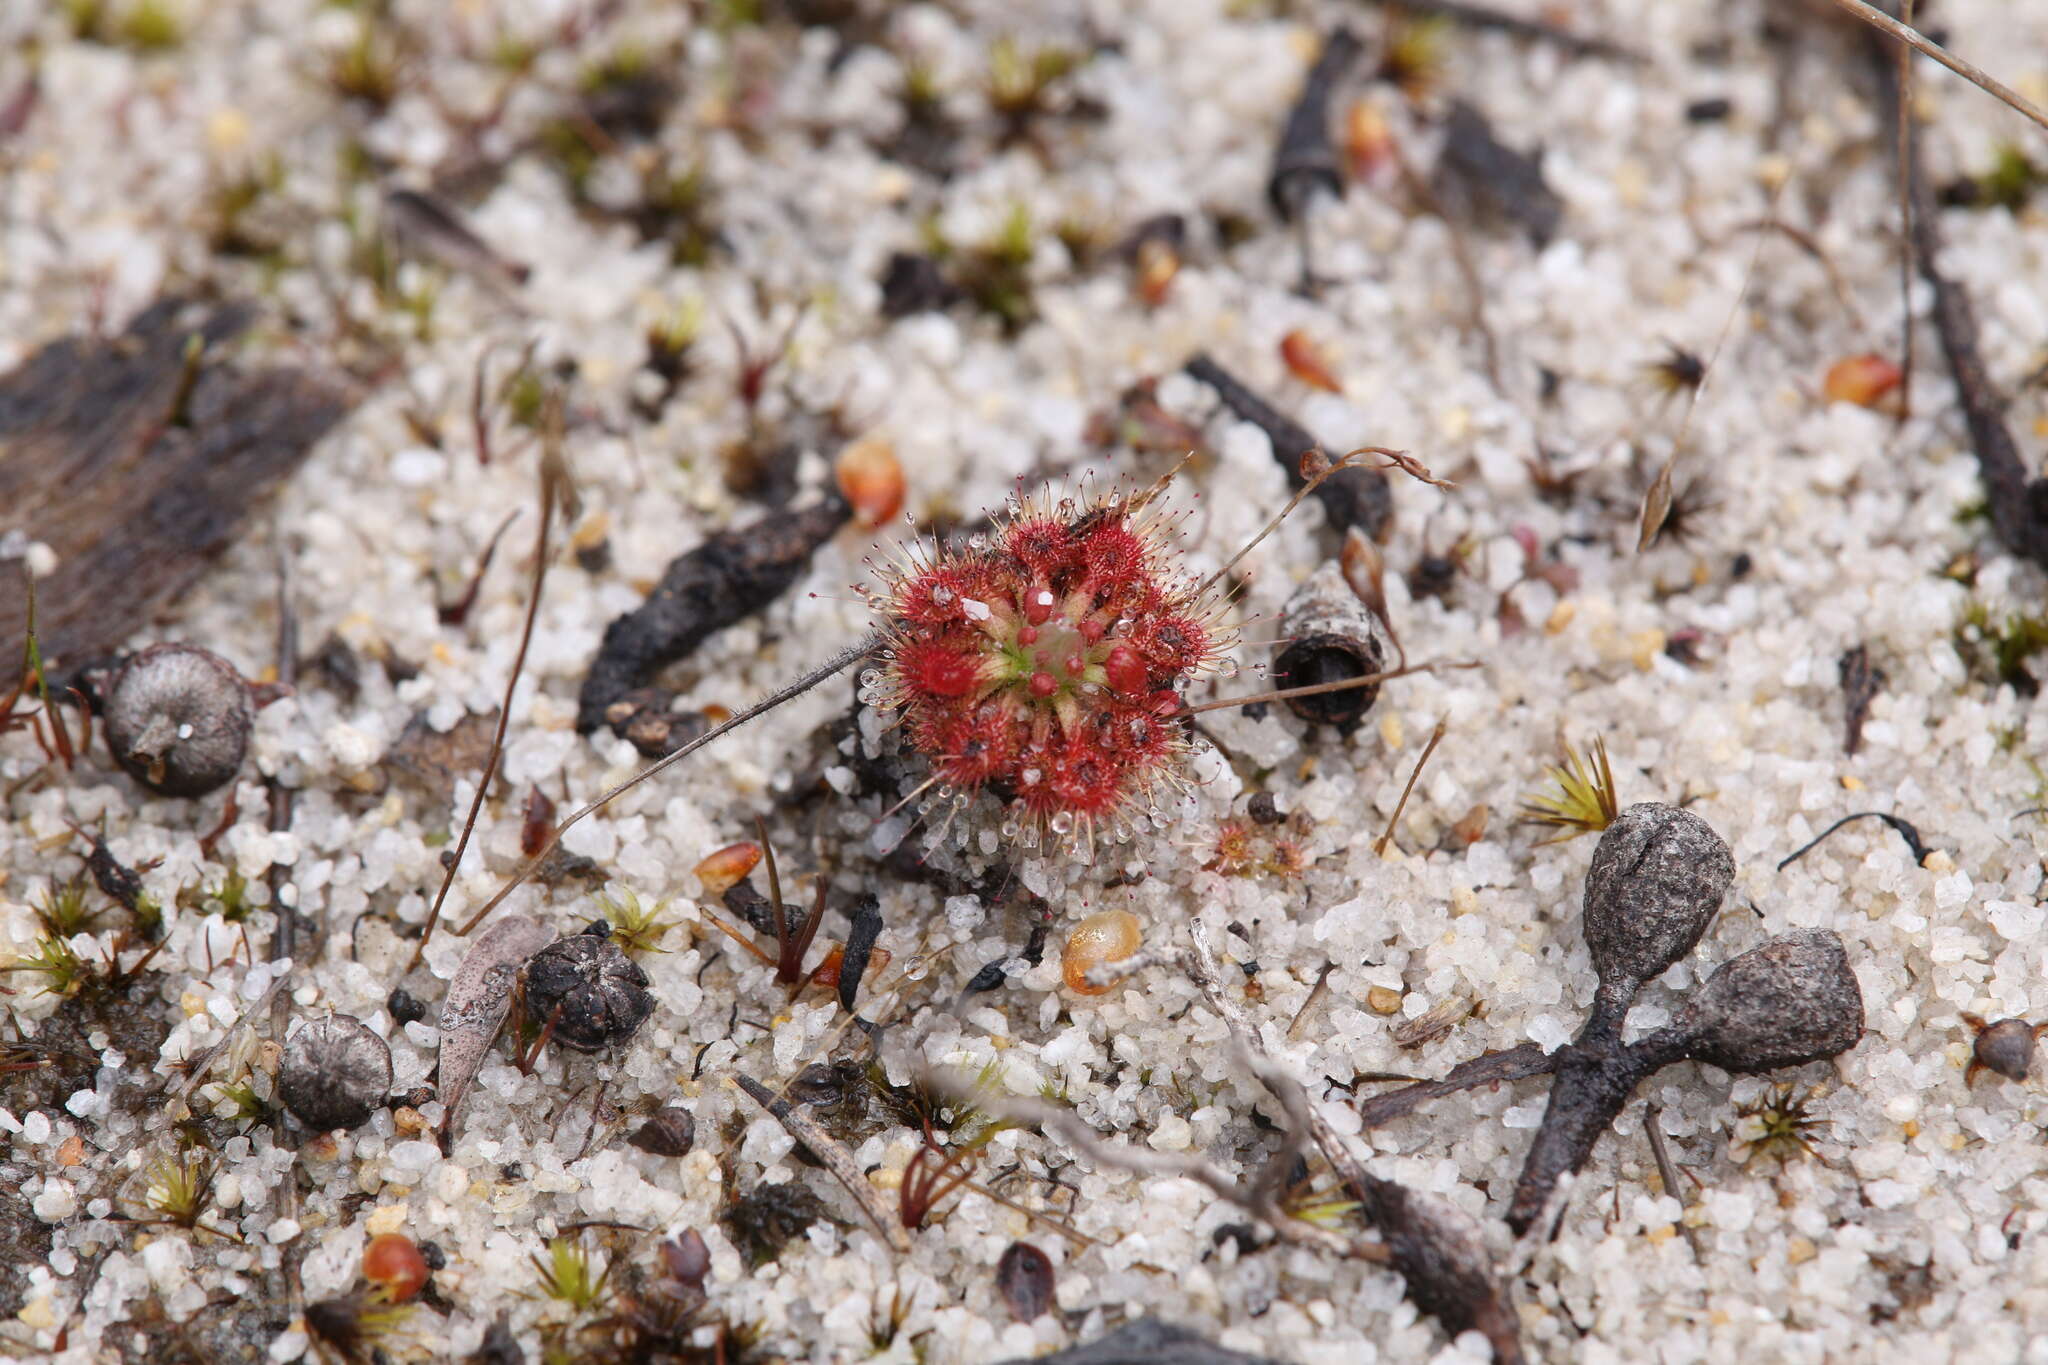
{"x": 1861, "y": 682}
{"x": 729, "y": 577}
{"x": 1480, "y": 177}
{"x": 1905, "y": 828}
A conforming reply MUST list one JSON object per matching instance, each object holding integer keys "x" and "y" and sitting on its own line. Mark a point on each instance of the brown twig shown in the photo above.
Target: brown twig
{"x": 2018, "y": 502}
{"x": 1436, "y": 736}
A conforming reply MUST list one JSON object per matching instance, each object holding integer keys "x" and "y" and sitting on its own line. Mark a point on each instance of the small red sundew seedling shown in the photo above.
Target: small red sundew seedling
{"x": 1045, "y": 663}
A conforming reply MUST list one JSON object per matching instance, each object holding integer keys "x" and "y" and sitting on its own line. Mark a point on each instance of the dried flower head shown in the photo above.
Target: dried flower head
{"x": 1045, "y": 662}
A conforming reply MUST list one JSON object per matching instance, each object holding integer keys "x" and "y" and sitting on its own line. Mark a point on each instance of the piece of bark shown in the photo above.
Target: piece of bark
{"x": 137, "y": 461}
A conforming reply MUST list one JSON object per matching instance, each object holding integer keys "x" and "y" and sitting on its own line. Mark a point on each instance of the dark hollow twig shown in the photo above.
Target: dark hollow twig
{"x": 1353, "y": 496}
{"x": 1305, "y": 163}
{"x": 1905, "y": 829}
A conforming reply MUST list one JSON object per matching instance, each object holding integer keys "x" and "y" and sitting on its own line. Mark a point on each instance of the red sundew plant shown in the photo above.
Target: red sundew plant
{"x": 1045, "y": 662}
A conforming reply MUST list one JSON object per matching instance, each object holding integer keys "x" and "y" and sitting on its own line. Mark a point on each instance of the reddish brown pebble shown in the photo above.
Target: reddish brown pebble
{"x": 1860, "y": 379}
{"x": 1110, "y": 936}
{"x": 1369, "y": 150}
{"x": 1155, "y": 265}
{"x": 2006, "y": 1047}
{"x": 393, "y": 1264}
{"x": 1024, "y": 1275}
{"x": 827, "y": 972}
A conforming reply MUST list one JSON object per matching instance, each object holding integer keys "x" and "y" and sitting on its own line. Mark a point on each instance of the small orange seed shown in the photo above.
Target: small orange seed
{"x": 395, "y": 1265}
{"x": 1104, "y": 937}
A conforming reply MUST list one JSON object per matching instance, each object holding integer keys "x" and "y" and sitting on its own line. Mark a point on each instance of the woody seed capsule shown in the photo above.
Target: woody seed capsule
{"x": 335, "y": 1073}
{"x": 178, "y": 719}
{"x": 1332, "y": 636}
{"x": 1656, "y": 881}
{"x": 600, "y": 992}
{"x": 1793, "y": 1000}
{"x": 2006, "y": 1047}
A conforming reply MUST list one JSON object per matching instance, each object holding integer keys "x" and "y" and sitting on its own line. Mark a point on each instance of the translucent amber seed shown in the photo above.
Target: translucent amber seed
{"x": 720, "y": 872}
{"x": 872, "y": 480}
{"x": 1110, "y": 936}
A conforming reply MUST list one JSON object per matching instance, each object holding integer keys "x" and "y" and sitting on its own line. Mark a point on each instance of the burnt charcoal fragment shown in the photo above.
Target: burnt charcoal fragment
{"x": 866, "y": 915}
{"x": 914, "y": 284}
{"x": 728, "y": 578}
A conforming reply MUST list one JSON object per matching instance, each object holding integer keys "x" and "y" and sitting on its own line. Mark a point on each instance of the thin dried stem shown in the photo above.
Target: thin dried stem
{"x": 838, "y": 663}
{"x": 1657, "y": 498}
{"x": 1919, "y": 42}
{"x": 1903, "y": 131}
{"x": 1317, "y": 689}
{"x": 1436, "y": 736}
{"x": 553, "y": 475}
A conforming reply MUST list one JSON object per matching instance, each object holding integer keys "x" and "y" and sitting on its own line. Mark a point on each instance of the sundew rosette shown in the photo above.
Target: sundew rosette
{"x": 1045, "y": 663}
